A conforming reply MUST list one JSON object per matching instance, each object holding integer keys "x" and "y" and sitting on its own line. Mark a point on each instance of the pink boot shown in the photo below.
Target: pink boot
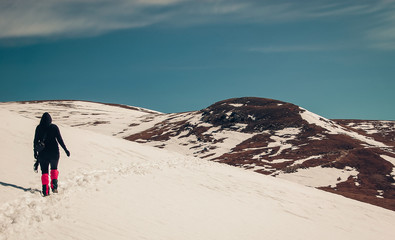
{"x": 54, "y": 180}
{"x": 45, "y": 182}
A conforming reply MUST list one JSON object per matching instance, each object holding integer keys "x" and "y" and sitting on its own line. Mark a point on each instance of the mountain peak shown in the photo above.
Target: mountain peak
{"x": 249, "y": 101}
{"x": 259, "y": 114}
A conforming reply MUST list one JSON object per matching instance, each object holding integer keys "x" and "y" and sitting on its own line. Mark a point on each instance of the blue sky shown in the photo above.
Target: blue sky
{"x": 335, "y": 58}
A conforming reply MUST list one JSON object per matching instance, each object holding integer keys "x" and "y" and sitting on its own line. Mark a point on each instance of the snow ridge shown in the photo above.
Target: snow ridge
{"x": 334, "y": 128}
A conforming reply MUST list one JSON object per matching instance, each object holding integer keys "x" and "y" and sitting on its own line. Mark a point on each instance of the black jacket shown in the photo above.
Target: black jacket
{"x": 51, "y": 134}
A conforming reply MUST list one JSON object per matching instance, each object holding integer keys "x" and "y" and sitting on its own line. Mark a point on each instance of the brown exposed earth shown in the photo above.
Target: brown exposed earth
{"x": 271, "y": 152}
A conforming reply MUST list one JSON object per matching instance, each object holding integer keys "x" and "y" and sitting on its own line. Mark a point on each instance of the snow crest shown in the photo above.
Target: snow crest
{"x": 334, "y": 128}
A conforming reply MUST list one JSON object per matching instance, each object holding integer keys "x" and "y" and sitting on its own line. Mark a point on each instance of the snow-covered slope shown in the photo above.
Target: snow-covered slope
{"x": 110, "y": 119}
{"x": 111, "y": 188}
{"x": 351, "y": 158}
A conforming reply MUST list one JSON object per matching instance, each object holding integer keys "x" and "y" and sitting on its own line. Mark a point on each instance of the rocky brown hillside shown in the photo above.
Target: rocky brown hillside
{"x": 281, "y": 139}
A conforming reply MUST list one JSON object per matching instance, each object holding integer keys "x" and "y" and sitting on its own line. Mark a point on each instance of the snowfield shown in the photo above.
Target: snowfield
{"x": 334, "y": 128}
{"x": 111, "y": 188}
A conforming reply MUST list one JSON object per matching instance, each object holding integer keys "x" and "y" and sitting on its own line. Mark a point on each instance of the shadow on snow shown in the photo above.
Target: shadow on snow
{"x": 19, "y": 187}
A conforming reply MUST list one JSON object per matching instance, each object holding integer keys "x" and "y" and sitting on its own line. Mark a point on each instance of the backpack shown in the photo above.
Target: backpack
{"x": 40, "y": 145}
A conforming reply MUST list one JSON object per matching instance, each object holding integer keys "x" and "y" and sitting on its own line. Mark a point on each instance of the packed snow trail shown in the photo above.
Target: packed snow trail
{"x": 115, "y": 189}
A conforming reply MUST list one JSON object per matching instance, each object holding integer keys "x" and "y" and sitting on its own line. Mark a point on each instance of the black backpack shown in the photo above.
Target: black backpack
{"x": 40, "y": 145}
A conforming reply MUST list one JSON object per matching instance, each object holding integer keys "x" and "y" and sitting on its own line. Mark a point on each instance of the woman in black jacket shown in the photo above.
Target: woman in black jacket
{"x": 49, "y": 134}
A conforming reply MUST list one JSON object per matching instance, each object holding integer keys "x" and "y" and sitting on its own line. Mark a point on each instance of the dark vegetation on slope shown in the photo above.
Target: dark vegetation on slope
{"x": 262, "y": 118}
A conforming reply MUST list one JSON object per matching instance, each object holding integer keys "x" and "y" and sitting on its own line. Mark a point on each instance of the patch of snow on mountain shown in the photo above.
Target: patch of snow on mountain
{"x": 367, "y": 127}
{"x": 319, "y": 176}
{"x": 380, "y": 193}
{"x": 213, "y": 130}
{"x": 392, "y": 161}
{"x": 240, "y": 126}
{"x": 373, "y": 127}
{"x": 254, "y": 167}
{"x": 252, "y": 117}
{"x": 230, "y": 140}
{"x": 192, "y": 117}
{"x": 300, "y": 161}
{"x": 281, "y": 160}
{"x": 317, "y": 137}
{"x": 281, "y": 137}
{"x": 288, "y": 131}
{"x": 236, "y": 104}
{"x": 334, "y": 128}
{"x": 327, "y": 124}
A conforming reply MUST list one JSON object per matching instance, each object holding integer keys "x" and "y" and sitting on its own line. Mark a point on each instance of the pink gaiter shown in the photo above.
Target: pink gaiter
{"x": 45, "y": 181}
{"x": 54, "y": 176}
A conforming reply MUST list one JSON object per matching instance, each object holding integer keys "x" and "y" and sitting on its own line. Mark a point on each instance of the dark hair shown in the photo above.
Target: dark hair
{"x": 46, "y": 120}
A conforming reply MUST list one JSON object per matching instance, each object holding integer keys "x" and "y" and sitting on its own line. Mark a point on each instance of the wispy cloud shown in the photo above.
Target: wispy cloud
{"x": 294, "y": 48}
{"x": 25, "y": 18}
{"x": 381, "y": 32}
{"x": 47, "y": 18}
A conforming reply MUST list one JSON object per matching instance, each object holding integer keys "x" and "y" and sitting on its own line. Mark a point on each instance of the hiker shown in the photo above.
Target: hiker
{"x": 46, "y": 151}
